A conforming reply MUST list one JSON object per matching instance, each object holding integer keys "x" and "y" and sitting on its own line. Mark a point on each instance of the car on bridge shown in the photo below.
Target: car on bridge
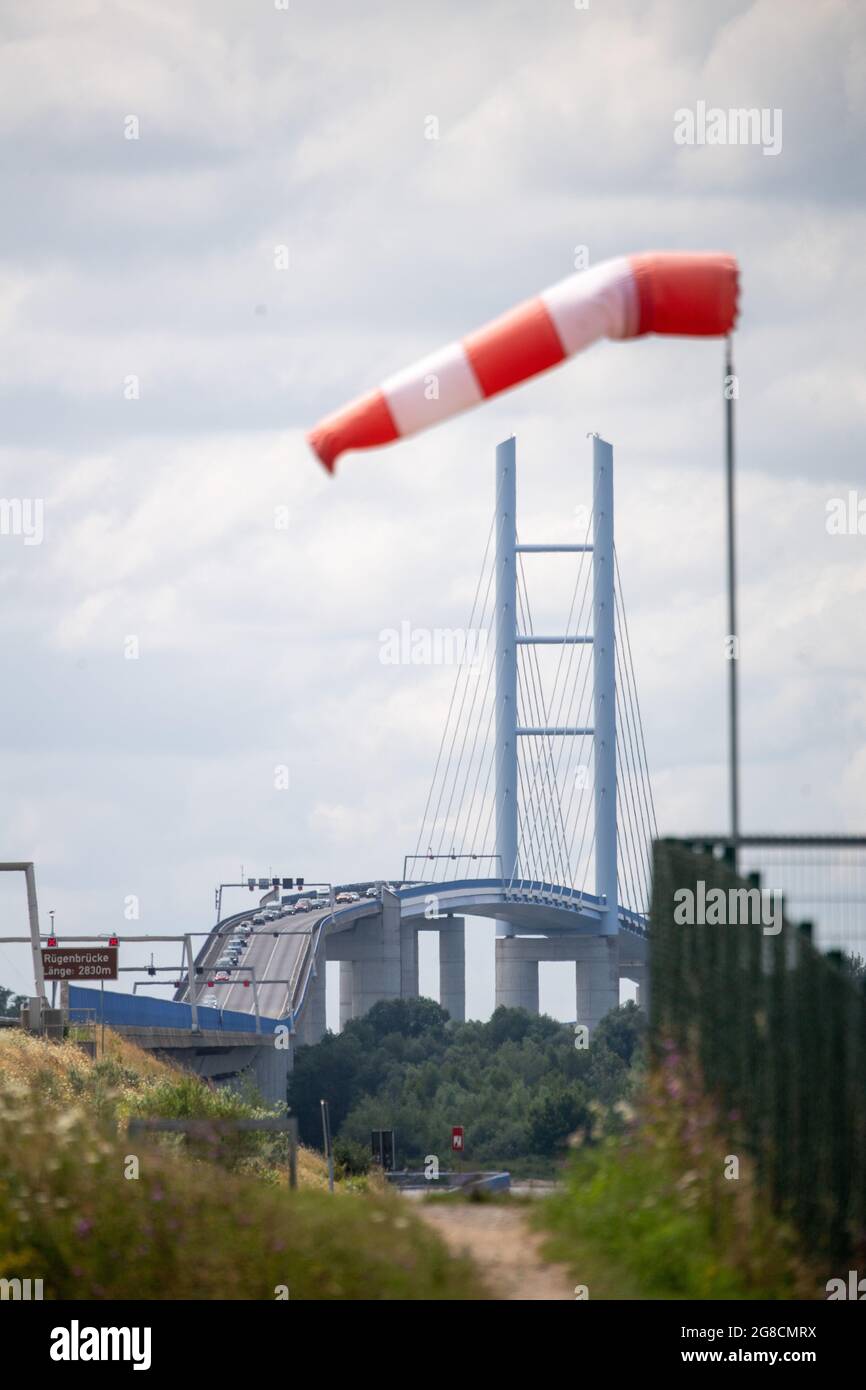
{"x": 259, "y": 919}
{"x": 303, "y": 905}
{"x": 344, "y": 897}
{"x": 221, "y": 976}
{"x": 372, "y": 891}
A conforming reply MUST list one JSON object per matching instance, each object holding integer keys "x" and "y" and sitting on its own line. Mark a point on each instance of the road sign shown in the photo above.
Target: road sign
{"x": 383, "y": 1148}
{"x": 80, "y": 963}
{"x": 457, "y": 1139}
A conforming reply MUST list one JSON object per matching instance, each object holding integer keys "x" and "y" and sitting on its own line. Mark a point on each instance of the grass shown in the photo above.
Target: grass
{"x": 649, "y": 1213}
{"x": 97, "y": 1215}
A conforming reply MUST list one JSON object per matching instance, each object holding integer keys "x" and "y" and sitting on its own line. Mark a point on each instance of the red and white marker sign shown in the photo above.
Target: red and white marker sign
{"x": 457, "y": 1139}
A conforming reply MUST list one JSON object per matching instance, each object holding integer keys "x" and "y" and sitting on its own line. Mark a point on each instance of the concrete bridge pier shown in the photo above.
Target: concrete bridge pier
{"x": 597, "y": 979}
{"x": 517, "y": 972}
{"x": 596, "y": 964}
{"x": 313, "y": 1023}
{"x": 638, "y": 973}
{"x": 371, "y": 965}
{"x": 347, "y": 985}
{"x": 452, "y": 967}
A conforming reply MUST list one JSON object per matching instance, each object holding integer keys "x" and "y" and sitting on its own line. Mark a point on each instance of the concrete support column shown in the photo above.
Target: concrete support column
{"x": 312, "y": 1024}
{"x": 376, "y": 958}
{"x": 639, "y": 974}
{"x": 516, "y": 976}
{"x": 347, "y": 989}
{"x": 597, "y": 979}
{"x": 271, "y": 1067}
{"x": 408, "y": 960}
{"x": 452, "y": 967}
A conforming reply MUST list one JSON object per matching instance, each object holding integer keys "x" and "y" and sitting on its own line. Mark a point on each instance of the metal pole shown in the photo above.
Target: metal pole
{"x": 252, "y": 970}
{"x": 733, "y": 730}
{"x": 506, "y": 665}
{"x": 190, "y": 971}
{"x": 329, "y": 1151}
{"x": 604, "y": 684}
{"x": 36, "y": 945}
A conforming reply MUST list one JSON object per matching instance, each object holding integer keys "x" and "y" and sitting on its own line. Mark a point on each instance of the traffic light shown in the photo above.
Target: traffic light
{"x": 286, "y": 883}
{"x": 299, "y": 883}
{"x": 113, "y": 941}
{"x": 52, "y": 941}
{"x": 251, "y": 884}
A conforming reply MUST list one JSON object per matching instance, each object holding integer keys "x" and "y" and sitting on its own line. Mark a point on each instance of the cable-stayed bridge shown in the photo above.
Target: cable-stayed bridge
{"x": 539, "y": 815}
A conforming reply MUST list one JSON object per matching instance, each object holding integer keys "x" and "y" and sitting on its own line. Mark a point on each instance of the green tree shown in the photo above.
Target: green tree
{"x": 11, "y": 1003}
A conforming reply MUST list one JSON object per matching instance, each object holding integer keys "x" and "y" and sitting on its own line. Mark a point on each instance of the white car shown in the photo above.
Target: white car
{"x": 221, "y": 976}
{"x": 372, "y": 891}
{"x": 210, "y": 1001}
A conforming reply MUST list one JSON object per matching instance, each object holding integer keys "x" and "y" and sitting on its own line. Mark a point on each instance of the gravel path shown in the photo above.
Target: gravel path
{"x": 505, "y": 1249}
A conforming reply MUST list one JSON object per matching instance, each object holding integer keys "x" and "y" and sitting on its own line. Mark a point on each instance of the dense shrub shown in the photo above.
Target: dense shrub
{"x": 517, "y": 1084}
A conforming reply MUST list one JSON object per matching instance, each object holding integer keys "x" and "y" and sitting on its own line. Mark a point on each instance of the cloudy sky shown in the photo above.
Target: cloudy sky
{"x": 161, "y": 362}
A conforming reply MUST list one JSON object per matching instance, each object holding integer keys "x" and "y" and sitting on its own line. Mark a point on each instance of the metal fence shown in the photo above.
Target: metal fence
{"x": 822, "y": 877}
{"x": 779, "y": 1032}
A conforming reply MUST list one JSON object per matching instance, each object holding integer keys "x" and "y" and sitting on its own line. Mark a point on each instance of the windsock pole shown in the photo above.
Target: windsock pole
{"x": 733, "y": 640}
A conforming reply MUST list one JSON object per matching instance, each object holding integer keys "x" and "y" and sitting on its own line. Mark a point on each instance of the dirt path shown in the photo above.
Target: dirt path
{"x": 503, "y": 1246}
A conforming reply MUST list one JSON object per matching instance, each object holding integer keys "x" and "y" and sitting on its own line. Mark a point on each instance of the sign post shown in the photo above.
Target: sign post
{"x": 383, "y": 1148}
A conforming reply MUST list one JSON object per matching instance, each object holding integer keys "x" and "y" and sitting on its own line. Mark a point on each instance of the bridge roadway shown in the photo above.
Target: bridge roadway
{"x": 282, "y": 950}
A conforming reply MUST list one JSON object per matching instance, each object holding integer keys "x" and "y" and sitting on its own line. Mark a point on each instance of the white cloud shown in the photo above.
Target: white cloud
{"x": 260, "y": 645}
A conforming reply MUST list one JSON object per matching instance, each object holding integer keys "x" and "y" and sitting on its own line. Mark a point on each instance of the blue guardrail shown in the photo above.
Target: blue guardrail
{"x": 136, "y": 1009}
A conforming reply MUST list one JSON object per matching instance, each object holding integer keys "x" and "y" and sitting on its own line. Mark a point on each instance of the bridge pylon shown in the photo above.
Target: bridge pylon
{"x": 596, "y": 961}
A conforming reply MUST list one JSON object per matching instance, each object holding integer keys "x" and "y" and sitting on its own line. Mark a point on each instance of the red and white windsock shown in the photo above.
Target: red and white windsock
{"x": 676, "y": 292}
